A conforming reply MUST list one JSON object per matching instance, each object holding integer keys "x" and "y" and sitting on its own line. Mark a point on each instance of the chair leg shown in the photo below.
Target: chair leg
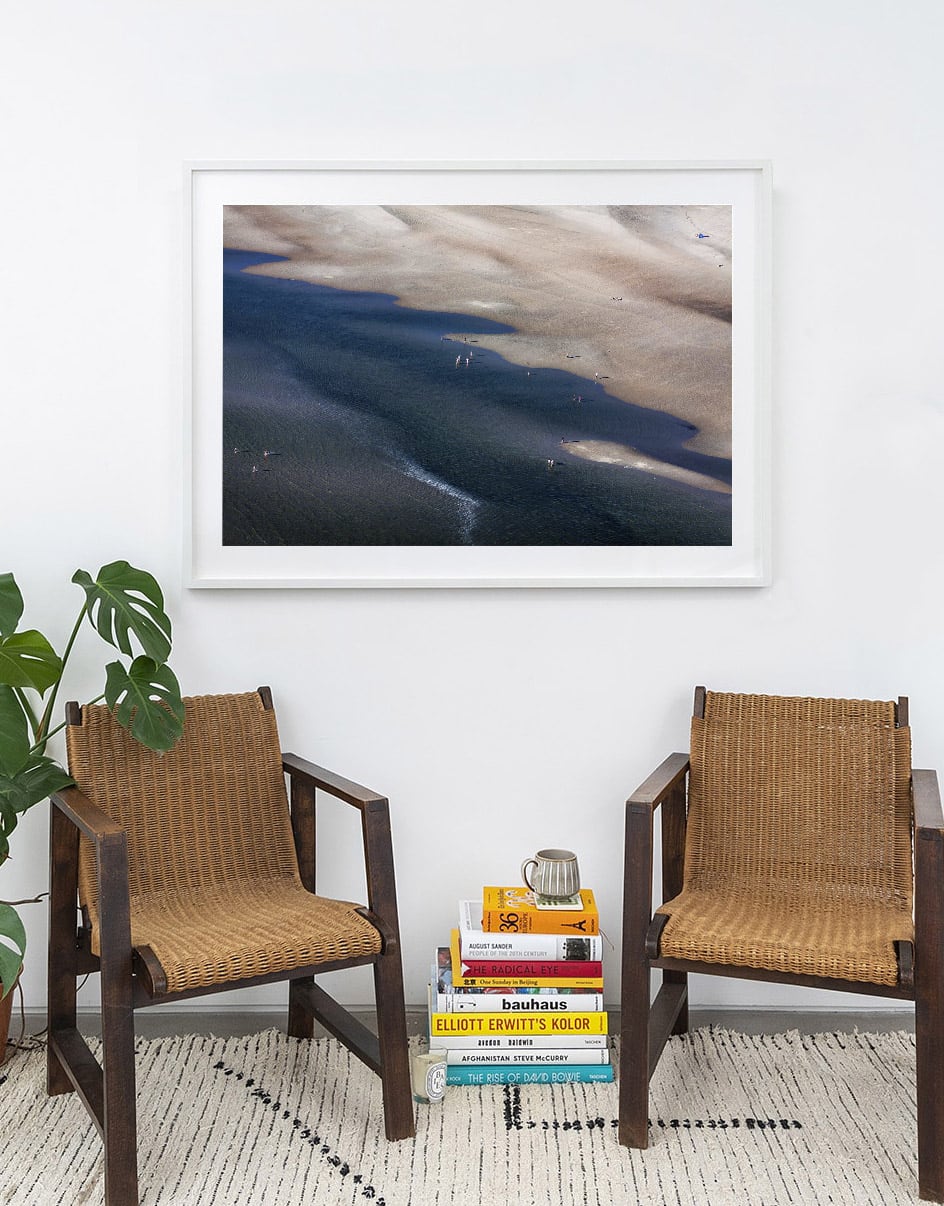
{"x": 674, "y": 977}
{"x": 61, "y": 979}
{"x": 634, "y": 1001}
{"x": 930, "y": 1070}
{"x": 634, "y": 1064}
{"x": 929, "y": 1060}
{"x": 399, "y": 1122}
{"x": 929, "y": 986}
{"x": 301, "y": 1023}
{"x": 119, "y": 1125}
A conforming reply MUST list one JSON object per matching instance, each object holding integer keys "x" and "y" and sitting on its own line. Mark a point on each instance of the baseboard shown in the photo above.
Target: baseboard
{"x": 234, "y": 1020}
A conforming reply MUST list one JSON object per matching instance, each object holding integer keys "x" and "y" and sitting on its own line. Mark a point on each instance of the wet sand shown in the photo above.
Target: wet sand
{"x": 630, "y": 298}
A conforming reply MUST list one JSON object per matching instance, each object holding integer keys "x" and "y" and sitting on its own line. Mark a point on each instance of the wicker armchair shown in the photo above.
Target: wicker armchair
{"x": 797, "y": 846}
{"x": 194, "y": 876}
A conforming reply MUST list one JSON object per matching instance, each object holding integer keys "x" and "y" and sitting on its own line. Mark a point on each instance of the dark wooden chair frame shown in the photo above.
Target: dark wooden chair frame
{"x": 645, "y": 1027}
{"x": 132, "y": 979}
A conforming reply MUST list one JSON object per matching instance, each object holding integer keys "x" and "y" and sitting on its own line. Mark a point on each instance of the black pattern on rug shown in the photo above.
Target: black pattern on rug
{"x": 515, "y": 1122}
{"x": 513, "y": 1116}
{"x": 300, "y": 1131}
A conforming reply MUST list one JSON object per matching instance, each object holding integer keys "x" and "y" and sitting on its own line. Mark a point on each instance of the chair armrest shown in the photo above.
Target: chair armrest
{"x": 926, "y": 798}
{"x": 110, "y": 840}
{"x": 87, "y": 817}
{"x": 666, "y": 785}
{"x": 375, "y": 825}
{"x": 663, "y": 780}
{"x": 344, "y": 789}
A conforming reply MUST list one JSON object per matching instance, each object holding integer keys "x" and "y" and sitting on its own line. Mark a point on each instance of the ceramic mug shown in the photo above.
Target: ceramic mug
{"x": 555, "y": 873}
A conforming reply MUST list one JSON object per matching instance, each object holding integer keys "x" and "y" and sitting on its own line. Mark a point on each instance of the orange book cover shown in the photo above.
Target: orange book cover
{"x": 515, "y": 911}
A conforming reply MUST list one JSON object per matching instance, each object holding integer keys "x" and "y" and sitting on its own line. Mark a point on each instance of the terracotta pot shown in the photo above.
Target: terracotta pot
{"x": 6, "y": 1011}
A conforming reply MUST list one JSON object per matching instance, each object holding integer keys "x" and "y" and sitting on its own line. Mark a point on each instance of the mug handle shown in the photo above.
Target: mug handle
{"x": 524, "y": 872}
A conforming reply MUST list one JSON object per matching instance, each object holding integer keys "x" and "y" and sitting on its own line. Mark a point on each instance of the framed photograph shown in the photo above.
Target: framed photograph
{"x": 478, "y": 374}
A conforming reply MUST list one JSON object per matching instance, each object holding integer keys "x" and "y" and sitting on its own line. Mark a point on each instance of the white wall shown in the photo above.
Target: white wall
{"x": 496, "y": 721}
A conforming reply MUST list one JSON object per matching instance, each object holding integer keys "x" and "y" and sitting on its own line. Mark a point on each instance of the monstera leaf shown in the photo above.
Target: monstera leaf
{"x": 26, "y": 776}
{"x": 28, "y": 660}
{"x": 123, "y": 601}
{"x": 13, "y": 949}
{"x": 8, "y": 820}
{"x": 11, "y": 604}
{"x": 15, "y": 741}
{"x": 146, "y": 699}
{"x": 39, "y": 778}
{"x": 34, "y": 781}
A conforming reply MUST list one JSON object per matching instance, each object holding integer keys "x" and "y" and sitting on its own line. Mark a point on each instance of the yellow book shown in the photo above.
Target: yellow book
{"x": 516, "y": 911}
{"x": 460, "y": 980}
{"x": 499, "y": 1025}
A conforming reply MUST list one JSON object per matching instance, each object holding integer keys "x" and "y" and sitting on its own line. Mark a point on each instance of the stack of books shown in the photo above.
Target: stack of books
{"x": 517, "y": 996}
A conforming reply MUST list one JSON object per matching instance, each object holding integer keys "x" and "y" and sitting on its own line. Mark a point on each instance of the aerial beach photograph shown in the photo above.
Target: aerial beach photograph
{"x": 492, "y": 375}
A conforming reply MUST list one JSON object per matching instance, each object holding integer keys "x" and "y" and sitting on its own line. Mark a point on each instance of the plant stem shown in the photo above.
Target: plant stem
{"x": 59, "y": 727}
{"x": 42, "y": 735}
{"x": 28, "y": 709}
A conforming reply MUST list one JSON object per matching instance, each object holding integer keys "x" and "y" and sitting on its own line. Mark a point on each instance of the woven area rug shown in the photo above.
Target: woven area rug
{"x": 799, "y": 1120}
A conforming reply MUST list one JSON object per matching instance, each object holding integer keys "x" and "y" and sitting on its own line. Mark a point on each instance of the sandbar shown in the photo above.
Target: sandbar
{"x": 608, "y": 453}
{"x": 637, "y": 299}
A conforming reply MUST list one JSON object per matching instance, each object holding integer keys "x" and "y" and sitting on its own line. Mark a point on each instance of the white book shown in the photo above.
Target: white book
{"x": 509, "y": 1055}
{"x": 520, "y": 1043}
{"x": 476, "y": 943}
{"x": 528, "y": 1001}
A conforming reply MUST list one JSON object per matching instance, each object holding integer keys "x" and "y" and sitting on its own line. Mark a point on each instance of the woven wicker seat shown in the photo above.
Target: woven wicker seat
{"x": 242, "y": 931}
{"x": 194, "y": 875}
{"x": 788, "y": 855}
{"x": 788, "y": 934}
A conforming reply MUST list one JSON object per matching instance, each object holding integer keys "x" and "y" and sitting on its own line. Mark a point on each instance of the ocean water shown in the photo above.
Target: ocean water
{"x": 349, "y": 419}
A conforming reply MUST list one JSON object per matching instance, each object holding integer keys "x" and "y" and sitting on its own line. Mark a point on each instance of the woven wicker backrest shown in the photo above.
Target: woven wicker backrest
{"x": 801, "y": 796}
{"x": 211, "y": 810}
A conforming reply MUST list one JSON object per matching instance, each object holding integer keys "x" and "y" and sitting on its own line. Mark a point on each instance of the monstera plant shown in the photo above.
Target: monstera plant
{"x": 126, "y": 607}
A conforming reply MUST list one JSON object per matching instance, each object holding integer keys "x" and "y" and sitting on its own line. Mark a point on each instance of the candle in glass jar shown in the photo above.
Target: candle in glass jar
{"x": 429, "y": 1076}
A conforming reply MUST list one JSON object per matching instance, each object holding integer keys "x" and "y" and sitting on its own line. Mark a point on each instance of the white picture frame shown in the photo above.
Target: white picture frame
{"x": 745, "y": 186}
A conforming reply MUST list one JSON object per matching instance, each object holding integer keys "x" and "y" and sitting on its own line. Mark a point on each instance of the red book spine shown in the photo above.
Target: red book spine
{"x": 569, "y": 968}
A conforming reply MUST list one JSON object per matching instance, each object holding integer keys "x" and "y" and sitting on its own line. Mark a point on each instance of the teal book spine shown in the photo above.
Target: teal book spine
{"x": 526, "y": 1074}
